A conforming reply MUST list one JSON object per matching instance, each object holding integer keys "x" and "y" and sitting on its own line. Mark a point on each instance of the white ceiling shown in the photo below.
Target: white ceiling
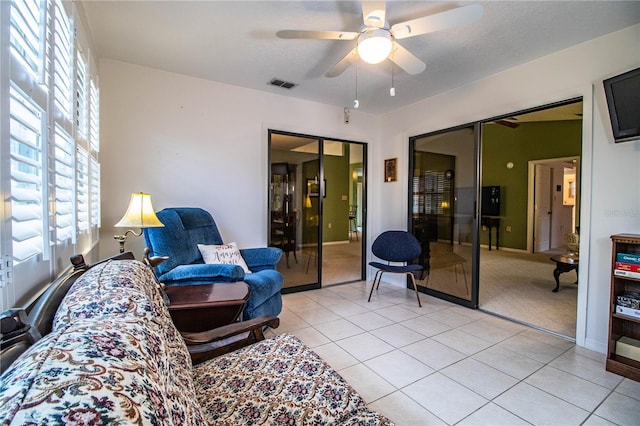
{"x": 234, "y": 42}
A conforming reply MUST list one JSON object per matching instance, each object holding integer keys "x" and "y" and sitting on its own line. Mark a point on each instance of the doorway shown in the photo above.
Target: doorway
{"x": 559, "y": 192}
{"x": 534, "y": 159}
{"x": 491, "y": 242}
{"x": 317, "y": 209}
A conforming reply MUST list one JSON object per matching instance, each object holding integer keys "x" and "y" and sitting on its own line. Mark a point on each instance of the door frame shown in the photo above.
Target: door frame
{"x": 531, "y": 195}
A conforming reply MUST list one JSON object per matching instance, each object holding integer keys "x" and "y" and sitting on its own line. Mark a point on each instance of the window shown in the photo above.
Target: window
{"x": 49, "y": 110}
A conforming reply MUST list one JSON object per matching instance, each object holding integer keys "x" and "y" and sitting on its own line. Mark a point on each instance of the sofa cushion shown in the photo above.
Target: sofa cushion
{"x": 103, "y": 372}
{"x": 278, "y": 381}
{"x": 226, "y": 254}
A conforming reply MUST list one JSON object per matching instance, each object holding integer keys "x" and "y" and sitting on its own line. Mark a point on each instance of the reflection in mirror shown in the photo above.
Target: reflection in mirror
{"x": 342, "y": 213}
{"x": 294, "y": 217}
{"x": 442, "y": 203}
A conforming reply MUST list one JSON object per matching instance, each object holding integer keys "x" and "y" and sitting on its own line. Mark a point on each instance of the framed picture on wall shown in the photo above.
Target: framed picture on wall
{"x": 313, "y": 188}
{"x": 390, "y": 170}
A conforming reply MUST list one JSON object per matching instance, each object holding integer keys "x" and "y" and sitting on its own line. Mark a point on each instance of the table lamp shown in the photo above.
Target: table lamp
{"x": 140, "y": 214}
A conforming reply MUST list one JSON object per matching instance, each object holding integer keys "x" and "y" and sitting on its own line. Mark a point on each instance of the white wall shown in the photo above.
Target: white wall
{"x": 611, "y": 172}
{"x": 192, "y": 142}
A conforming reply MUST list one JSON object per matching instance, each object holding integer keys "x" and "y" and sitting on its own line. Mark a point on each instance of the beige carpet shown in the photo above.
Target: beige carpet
{"x": 519, "y": 286}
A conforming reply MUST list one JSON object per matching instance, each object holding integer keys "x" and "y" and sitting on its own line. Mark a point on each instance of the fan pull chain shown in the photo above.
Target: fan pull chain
{"x": 356, "y": 102}
{"x": 392, "y": 91}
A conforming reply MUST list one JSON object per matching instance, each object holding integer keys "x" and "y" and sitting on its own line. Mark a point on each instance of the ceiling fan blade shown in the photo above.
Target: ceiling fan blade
{"x": 406, "y": 60}
{"x": 506, "y": 123}
{"x": 439, "y": 21}
{"x": 374, "y": 13}
{"x": 322, "y": 35}
{"x": 344, "y": 63}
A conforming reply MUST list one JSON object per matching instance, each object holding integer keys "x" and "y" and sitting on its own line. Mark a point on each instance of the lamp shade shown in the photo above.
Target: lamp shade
{"x": 140, "y": 213}
{"x": 374, "y": 45}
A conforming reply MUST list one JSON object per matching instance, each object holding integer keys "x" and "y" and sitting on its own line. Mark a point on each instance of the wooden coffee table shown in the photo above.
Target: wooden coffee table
{"x": 201, "y": 307}
{"x": 564, "y": 264}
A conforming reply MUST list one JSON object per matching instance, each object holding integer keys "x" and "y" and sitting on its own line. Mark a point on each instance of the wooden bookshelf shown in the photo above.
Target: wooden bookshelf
{"x": 621, "y": 325}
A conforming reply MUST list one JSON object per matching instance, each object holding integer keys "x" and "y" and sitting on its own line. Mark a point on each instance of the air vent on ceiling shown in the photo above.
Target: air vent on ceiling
{"x": 281, "y": 83}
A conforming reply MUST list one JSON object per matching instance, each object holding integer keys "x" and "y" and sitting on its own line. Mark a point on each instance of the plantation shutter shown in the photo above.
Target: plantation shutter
{"x": 27, "y": 179}
{"x": 94, "y": 117}
{"x": 62, "y": 62}
{"x": 64, "y": 186}
{"x": 81, "y": 98}
{"x": 26, "y": 34}
{"x": 95, "y": 193}
{"x": 82, "y": 189}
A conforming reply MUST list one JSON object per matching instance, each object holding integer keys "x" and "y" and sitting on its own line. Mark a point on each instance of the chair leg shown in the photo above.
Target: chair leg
{"x": 375, "y": 278}
{"x": 415, "y": 287}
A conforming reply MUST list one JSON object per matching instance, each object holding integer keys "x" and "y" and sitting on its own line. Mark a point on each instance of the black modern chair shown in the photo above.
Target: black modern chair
{"x": 396, "y": 247}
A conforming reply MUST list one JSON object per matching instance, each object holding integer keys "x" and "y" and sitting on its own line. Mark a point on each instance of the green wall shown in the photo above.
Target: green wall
{"x": 337, "y": 174}
{"x": 529, "y": 141}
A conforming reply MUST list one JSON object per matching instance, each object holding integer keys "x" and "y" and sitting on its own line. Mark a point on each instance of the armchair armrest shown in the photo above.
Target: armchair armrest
{"x": 208, "y": 344}
{"x": 261, "y": 258}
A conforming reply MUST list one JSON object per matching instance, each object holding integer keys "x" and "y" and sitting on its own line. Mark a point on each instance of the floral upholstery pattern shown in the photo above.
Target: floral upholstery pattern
{"x": 278, "y": 381}
{"x": 118, "y": 287}
{"x": 114, "y": 357}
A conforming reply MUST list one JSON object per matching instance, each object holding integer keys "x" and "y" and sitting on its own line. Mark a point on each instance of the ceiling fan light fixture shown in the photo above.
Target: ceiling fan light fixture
{"x": 374, "y": 45}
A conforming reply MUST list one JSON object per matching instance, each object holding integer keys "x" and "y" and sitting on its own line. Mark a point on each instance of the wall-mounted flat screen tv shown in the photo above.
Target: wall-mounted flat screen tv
{"x": 490, "y": 201}
{"x": 623, "y": 100}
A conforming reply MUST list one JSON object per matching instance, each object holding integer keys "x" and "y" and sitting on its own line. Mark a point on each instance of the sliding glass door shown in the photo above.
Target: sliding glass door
{"x": 295, "y": 206}
{"x": 344, "y": 202}
{"x": 317, "y": 212}
{"x": 442, "y": 206}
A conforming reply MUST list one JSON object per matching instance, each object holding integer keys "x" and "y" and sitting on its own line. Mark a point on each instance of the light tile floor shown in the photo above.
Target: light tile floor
{"x": 443, "y": 364}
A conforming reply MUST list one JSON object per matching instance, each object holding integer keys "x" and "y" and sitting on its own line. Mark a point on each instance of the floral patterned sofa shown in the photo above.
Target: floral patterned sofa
{"x": 113, "y": 356}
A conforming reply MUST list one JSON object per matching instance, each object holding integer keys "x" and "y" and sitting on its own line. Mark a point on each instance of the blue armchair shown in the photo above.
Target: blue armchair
{"x": 185, "y": 228}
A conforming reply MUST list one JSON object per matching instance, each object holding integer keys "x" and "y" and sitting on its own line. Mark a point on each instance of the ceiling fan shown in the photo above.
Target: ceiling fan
{"x": 377, "y": 39}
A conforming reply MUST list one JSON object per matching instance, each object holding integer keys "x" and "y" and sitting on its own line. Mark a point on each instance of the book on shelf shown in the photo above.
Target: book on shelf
{"x": 628, "y": 274}
{"x": 632, "y": 267}
{"x": 635, "y": 313}
{"x": 628, "y": 258}
{"x": 628, "y": 299}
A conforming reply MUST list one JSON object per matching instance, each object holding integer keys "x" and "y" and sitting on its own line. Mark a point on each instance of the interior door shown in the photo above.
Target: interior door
{"x": 542, "y": 208}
